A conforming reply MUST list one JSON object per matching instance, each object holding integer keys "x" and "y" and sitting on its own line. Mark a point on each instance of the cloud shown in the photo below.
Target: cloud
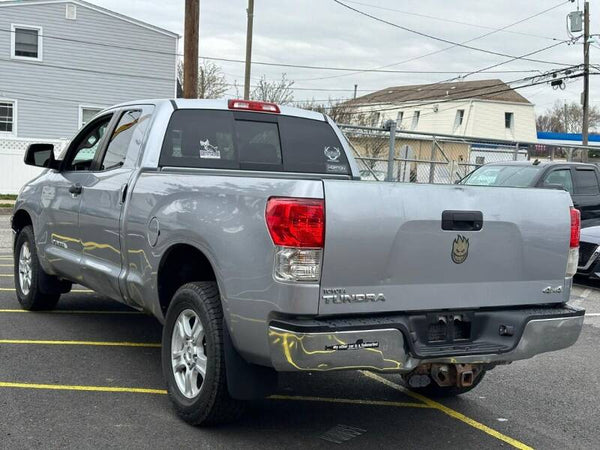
{"x": 320, "y": 32}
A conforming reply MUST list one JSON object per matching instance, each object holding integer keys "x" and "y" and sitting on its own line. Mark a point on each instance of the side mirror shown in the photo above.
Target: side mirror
{"x": 40, "y": 155}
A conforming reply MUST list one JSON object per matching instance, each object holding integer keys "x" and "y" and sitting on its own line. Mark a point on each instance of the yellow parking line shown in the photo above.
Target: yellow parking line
{"x": 62, "y": 387}
{"x": 448, "y": 411}
{"x": 352, "y": 401}
{"x": 87, "y": 291}
{"x": 6, "y": 265}
{"x": 91, "y": 343}
{"x": 65, "y": 311}
{"x": 7, "y": 274}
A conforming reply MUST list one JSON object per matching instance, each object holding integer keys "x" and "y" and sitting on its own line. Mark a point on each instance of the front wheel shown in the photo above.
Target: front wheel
{"x": 29, "y": 274}
{"x": 193, "y": 356}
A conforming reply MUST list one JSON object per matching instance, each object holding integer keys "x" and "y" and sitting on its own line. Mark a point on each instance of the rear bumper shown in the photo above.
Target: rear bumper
{"x": 395, "y": 343}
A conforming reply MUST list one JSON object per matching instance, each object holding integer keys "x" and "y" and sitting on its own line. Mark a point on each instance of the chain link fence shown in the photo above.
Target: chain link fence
{"x": 384, "y": 154}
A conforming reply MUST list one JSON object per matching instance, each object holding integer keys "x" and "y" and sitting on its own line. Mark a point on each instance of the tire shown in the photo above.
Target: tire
{"x": 436, "y": 391}
{"x": 198, "y": 399}
{"x": 29, "y": 275}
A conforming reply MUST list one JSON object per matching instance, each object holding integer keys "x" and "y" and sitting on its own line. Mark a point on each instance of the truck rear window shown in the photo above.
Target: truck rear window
{"x": 251, "y": 141}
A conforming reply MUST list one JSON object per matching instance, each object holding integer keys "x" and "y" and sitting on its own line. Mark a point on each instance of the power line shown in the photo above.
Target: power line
{"x": 469, "y": 94}
{"x": 437, "y": 38}
{"x": 410, "y": 13}
{"x": 495, "y": 30}
{"x": 211, "y": 58}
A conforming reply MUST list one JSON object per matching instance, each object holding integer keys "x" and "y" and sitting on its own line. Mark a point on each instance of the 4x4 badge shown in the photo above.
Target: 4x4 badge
{"x": 460, "y": 249}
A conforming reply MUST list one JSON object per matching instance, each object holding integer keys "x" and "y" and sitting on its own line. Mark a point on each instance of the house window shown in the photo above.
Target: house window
{"x": 7, "y": 117}
{"x": 399, "y": 118}
{"x": 26, "y": 42}
{"x": 86, "y": 113}
{"x": 415, "y": 120}
{"x": 508, "y": 120}
{"x": 458, "y": 120}
{"x": 375, "y": 116}
{"x": 71, "y": 12}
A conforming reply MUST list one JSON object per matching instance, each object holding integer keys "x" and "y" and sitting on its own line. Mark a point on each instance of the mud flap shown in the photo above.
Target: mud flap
{"x": 246, "y": 381}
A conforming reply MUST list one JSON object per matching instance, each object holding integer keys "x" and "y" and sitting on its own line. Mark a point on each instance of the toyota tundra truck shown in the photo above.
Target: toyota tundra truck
{"x": 244, "y": 228}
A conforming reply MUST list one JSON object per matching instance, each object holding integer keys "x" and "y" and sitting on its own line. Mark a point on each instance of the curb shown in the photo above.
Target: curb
{"x": 6, "y": 211}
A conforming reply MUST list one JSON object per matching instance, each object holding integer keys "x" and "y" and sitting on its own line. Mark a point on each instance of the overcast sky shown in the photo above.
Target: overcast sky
{"x": 323, "y": 33}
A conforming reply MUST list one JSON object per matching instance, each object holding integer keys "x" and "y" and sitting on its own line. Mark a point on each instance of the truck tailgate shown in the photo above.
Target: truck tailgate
{"x": 385, "y": 249}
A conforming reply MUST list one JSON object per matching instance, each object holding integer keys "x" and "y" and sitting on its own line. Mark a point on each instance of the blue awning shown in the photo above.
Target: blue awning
{"x": 575, "y": 137}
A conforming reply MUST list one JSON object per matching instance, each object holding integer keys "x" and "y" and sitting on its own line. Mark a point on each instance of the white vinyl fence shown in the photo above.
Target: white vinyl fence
{"x": 13, "y": 171}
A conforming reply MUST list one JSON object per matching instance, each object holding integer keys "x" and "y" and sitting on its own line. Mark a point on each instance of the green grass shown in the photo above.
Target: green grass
{"x": 8, "y": 197}
{"x": 6, "y": 205}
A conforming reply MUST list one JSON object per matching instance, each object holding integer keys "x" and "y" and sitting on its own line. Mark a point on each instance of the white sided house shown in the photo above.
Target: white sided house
{"x": 61, "y": 62}
{"x": 486, "y": 109}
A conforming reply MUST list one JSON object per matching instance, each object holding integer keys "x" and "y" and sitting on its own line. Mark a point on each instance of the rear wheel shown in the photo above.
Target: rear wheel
{"x": 29, "y": 274}
{"x": 193, "y": 356}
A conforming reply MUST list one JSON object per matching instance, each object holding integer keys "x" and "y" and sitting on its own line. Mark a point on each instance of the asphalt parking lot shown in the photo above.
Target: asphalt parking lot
{"x": 88, "y": 375}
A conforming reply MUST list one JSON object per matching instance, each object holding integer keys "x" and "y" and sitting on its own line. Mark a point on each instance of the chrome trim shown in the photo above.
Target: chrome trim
{"x": 591, "y": 260}
{"x": 297, "y": 351}
{"x": 293, "y": 351}
{"x": 254, "y": 173}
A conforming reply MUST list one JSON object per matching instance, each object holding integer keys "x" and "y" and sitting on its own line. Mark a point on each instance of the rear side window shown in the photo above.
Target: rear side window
{"x": 586, "y": 182}
{"x": 251, "y": 141}
{"x": 198, "y": 138}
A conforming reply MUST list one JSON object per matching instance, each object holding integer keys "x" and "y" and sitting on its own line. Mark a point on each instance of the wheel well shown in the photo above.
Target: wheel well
{"x": 179, "y": 265}
{"x": 20, "y": 220}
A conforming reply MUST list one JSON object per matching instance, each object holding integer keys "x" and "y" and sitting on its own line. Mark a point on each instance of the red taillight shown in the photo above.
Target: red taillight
{"x": 251, "y": 105}
{"x": 296, "y": 222}
{"x": 575, "y": 227}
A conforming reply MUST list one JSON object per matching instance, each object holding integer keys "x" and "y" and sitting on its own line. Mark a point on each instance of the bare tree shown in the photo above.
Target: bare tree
{"x": 566, "y": 118}
{"x": 279, "y": 91}
{"x": 211, "y": 79}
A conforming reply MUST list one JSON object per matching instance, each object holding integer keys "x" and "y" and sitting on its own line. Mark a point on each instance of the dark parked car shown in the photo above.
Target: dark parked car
{"x": 589, "y": 251}
{"x": 579, "y": 179}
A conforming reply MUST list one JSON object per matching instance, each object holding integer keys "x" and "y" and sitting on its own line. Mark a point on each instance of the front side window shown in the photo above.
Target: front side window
{"x": 120, "y": 140}
{"x": 7, "y": 117}
{"x": 87, "y": 145}
{"x": 26, "y": 42}
{"x": 561, "y": 177}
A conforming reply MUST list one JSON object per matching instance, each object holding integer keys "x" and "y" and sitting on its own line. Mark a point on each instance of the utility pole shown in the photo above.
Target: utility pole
{"x": 355, "y": 87}
{"x": 586, "y": 78}
{"x": 190, "y": 48}
{"x": 566, "y": 120}
{"x": 250, "y": 13}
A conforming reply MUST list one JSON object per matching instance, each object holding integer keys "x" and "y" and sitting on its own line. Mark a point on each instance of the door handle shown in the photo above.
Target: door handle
{"x": 462, "y": 220}
{"x": 75, "y": 189}
{"x": 123, "y": 194}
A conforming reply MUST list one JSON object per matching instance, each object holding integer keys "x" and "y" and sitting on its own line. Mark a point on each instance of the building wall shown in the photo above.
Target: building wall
{"x": 49, "y": 93}
{"x": 488, "y": 121}
{"x": 481, "y": 118}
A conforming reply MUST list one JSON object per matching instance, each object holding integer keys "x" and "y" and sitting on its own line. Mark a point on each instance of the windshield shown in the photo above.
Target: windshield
{"x": 511, "y": 176}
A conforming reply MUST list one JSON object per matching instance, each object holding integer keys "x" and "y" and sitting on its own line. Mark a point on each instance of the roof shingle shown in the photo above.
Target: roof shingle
{"x": 479, "y": 89}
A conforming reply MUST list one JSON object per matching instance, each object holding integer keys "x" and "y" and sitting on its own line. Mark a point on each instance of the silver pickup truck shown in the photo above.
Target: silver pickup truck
{"x": 245, "y": 229}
